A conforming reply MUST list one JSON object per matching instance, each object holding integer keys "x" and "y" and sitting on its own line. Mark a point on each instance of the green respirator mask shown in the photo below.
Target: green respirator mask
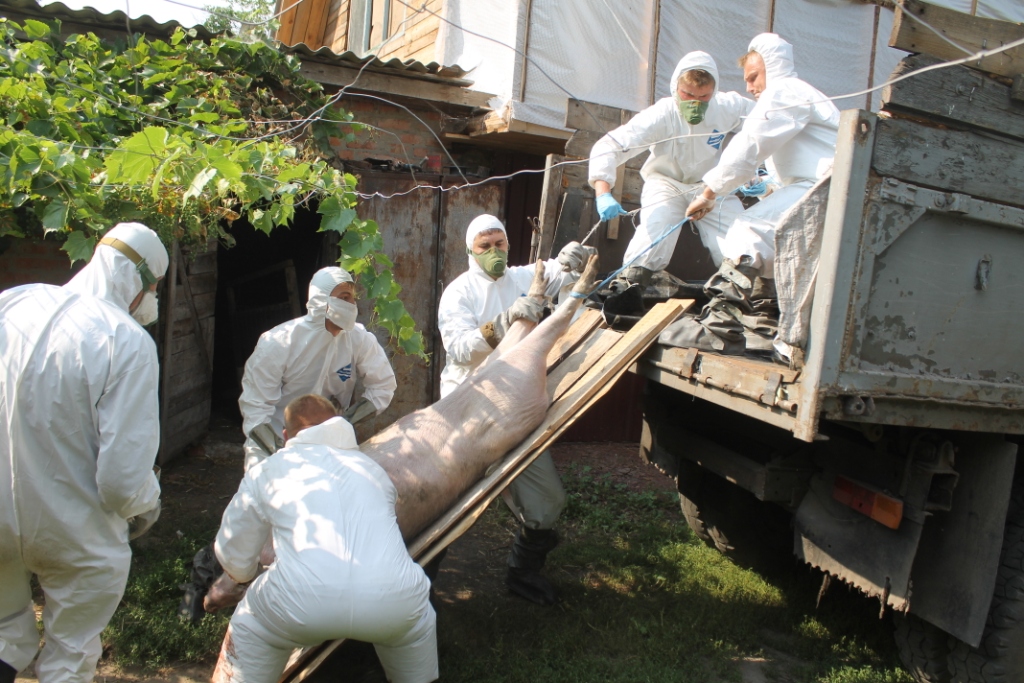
{"x": 148, "y": 279}
{"x": 492, "y": 261}
{"x": 692, "y": 111}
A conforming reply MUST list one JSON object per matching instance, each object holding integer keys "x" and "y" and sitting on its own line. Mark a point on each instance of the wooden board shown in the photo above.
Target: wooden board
{"x": 956, "y": 95}
{"x": 973, "y": 33}
{"x": 584, "y": 357}
{"x": 949, "y": 160}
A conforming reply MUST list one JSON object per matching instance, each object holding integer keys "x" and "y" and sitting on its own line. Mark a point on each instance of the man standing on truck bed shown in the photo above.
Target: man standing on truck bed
{"x": 684, "y": 134}
{"x": 792, "y": 130}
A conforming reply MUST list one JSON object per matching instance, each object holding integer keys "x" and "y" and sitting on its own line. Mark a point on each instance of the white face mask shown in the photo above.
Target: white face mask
{"x": 341, "y": 313}
{"x": 148, "y": 309}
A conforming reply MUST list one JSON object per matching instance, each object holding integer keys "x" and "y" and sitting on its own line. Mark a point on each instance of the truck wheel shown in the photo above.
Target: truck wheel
{"x": 733, "y": 521}
{"x": 923, "y": 647}
{"x": 1000, "y": 657}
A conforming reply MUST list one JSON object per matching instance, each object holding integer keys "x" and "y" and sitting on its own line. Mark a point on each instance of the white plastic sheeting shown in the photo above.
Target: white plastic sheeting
{"x": 600, "y": 50}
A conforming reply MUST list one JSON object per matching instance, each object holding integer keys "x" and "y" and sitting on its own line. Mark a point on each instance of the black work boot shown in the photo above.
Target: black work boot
{"x": 529, "y": 551}
{"x": 205, "y": 570}
{"x": 626, "y": 293}
{"x": 7, "y": 672}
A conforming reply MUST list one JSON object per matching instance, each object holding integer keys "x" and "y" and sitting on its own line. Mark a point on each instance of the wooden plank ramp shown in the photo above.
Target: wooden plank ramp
{"x": 582, "y": 367}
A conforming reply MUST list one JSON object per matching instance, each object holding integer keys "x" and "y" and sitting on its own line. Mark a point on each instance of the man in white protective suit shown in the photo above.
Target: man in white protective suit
{"x": 475, "y": 311}
{"x": 324, "y": 352}
{"x": 792, "y": 130}
{"x": 79, "y": 434}
{"x": 685, "y": 134}
{"x": 342, "y": 568}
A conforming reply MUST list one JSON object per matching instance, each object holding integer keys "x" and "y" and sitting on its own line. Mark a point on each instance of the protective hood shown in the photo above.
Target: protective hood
{"x": 110, "y": 275}
{"x": 320, "y": 287}
{"x": 777, "y": 55}
{"x": 693, "y": 60}
{"x": 336, "y": 433}
{"x": 482, "y": 223}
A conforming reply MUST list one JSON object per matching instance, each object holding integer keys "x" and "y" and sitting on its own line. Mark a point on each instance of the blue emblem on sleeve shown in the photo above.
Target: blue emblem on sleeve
{"x": 344, "y": 373}
{"x": 715, "y": 139}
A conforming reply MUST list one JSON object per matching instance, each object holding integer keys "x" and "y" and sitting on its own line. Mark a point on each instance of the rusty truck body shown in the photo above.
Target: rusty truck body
{"x": 892, "y": 452}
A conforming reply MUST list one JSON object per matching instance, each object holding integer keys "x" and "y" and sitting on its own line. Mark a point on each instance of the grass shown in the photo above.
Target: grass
{"x": 642, "y": 600}
{"x": 145, "y": 629}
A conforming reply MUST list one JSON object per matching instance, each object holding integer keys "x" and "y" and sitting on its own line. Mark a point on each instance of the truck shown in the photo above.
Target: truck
{"x": 888, "y": 459}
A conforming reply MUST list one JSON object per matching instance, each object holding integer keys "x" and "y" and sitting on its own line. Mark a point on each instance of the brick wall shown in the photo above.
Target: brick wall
{"x": 26, "y": 260}
{"x": 398, "y": 135}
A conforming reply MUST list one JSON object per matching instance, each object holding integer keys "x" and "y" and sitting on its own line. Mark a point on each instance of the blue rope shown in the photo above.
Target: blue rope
{"x": 627, "y": 265}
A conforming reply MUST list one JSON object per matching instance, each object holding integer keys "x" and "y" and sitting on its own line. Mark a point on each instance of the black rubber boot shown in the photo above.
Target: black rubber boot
{"x": 529, "y": 551}
{"x": 432, "y": 569}
{"x": 205, "y": 570}
{"x": 7, "y": 672}
{"x": 625, "y": 296}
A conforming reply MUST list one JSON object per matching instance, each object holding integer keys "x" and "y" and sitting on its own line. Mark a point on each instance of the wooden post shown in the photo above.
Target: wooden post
{"x": 165, "y": 362}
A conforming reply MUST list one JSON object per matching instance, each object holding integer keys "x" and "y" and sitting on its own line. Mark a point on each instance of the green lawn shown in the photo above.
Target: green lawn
{"x": 642, "y": 600}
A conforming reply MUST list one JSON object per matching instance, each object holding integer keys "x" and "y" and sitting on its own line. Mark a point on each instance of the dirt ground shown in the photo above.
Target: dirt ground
{"x": 198, "y": 485}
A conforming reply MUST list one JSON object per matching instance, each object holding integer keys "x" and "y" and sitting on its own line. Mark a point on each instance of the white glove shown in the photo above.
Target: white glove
{"x": 524, "y": 307}
{"x": 266, "y": 438}
{"x": 141, "y": 523}
{"x": 360, "y": 410}
{"x": 574, "y": 257}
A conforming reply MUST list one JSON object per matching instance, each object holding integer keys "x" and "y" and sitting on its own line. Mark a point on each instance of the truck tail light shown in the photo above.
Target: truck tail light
{"x": 884, "y": 509}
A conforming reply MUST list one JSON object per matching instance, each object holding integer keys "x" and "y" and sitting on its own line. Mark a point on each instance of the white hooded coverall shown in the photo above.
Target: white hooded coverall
{"x": 79, "y": 434}
{"x": 673, "y": 171}
{"x": 342, "y": 568}
{"x": 793, "y": 130}
{"x": 301, "y": 357}
{"x": 472, "y": 299}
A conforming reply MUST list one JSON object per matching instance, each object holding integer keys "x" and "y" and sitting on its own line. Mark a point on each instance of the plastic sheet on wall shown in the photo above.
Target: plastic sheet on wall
{"x": 723, "y": 30}
{"x": 489, "y": 58}
{"x": 598, "y": 50}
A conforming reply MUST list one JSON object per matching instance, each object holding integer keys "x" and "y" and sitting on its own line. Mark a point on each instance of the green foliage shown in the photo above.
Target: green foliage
{"x": 182, "y": 135}
{"x": 248, "y": 19}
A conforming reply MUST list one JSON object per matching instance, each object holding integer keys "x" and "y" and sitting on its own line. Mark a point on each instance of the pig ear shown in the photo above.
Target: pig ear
{"x": 539, "y": 284}
{"x": 586, "y": 282}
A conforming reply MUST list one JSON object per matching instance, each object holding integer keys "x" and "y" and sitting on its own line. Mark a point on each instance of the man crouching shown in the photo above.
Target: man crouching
{"x": 342, "y": 569}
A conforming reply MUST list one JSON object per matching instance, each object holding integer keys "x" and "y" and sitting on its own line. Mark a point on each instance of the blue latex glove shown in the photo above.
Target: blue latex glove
{"x": 607, "y": 207}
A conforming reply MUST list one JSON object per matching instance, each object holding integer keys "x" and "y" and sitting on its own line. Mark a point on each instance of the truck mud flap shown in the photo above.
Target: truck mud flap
{"x": 954, "y": 574}
{"x": 854, "y": 548}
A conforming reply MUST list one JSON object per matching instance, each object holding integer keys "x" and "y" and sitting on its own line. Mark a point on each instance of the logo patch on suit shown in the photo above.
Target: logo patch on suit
{"x": 715, "y": 139}
{"x": 344, "y": 373}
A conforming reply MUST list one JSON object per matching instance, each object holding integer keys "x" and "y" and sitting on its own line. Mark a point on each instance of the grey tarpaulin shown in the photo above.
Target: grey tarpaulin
{"x": 797, "y": 249}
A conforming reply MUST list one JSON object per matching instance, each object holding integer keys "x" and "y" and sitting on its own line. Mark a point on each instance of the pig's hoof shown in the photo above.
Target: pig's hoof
{"x": 531, "y": 585}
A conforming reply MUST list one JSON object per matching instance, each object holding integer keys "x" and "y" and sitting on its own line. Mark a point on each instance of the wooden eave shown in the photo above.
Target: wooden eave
{"x": 401, "y": 84}
{"x": 498, "y": 130}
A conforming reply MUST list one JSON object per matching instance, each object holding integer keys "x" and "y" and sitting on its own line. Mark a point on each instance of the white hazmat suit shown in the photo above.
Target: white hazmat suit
{"x": 79, "y": 434}
{"x": 342, "y": 568}
{"x": 302, "y": 357}
{"x": 472, "y": 299}
{"x": 792, "y": 130}
{"x": 680, "y": 154}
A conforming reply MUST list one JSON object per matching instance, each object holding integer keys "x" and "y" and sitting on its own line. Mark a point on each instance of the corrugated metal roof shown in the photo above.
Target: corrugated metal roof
{"x": 452, "y": 75}
{"x": 89, "y": 16}
{"x": 116, "y": 21}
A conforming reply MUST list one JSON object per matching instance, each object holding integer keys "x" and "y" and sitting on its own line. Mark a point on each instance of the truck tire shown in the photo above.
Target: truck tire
{"x": 733, "y": 521}
{"x": 923, "y": 647}
{"x": 1000, "y": 656}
